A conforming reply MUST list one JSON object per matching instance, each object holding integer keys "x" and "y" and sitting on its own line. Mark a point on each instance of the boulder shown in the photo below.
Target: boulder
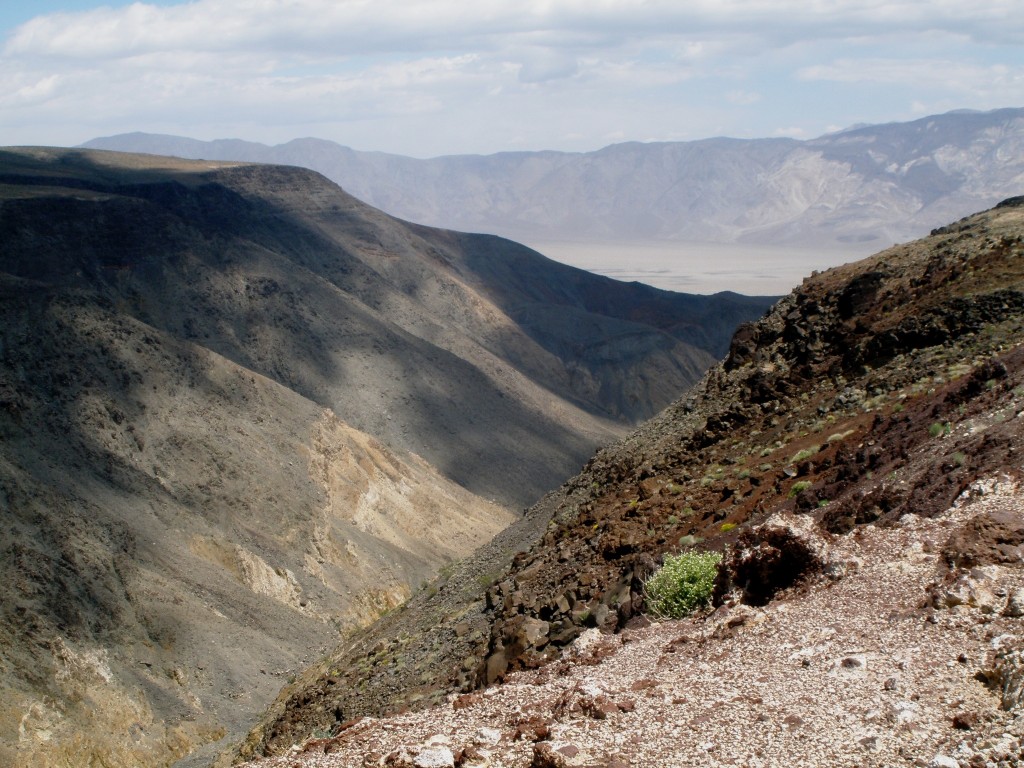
{"x": 995, "y": 537}
{"x": 766, "y": 560}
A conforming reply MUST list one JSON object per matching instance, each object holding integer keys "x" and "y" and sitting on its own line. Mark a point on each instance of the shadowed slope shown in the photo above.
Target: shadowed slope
{"x": 239, "y": 415}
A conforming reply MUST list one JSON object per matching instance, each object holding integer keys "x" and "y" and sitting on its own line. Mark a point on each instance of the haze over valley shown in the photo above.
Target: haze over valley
{"x": 753, "y": 216}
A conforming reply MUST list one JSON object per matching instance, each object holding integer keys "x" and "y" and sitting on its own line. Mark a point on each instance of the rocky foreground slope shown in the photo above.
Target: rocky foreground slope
{"x": 856, "y": 455}
{"x": 241, "y": 414}
{"x": 856, "y": 671}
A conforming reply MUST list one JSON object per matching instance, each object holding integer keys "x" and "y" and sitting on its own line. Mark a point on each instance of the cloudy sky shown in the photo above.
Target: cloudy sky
{"x": 432, "y": 77}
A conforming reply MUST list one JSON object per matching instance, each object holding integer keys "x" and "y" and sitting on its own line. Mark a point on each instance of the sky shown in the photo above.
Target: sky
{"x": 443, "y": 77}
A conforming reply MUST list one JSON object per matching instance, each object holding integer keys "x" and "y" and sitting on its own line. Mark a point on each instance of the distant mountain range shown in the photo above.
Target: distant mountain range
{"x": 867, "y": 186}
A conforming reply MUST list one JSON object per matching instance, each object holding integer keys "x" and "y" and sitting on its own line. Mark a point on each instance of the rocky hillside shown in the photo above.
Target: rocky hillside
{"x": 241, "y": 414}
{"x": 835, "y": 456}
{"x": 866, "y": 187}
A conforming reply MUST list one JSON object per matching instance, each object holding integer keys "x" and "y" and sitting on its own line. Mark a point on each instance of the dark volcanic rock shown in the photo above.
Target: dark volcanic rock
{"x": 996, "y": 537}
{"x": 763, "y": 562}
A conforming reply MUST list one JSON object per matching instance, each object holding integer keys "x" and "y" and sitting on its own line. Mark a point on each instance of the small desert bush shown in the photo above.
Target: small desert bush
{"x": 682, "y": 585}
{"x": 805, "y": 454}
{"x": 799, "y": 487}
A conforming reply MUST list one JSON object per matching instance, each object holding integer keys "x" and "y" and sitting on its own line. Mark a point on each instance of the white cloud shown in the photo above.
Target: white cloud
{"x": 359, "y": 27}
{"x": 952, "y": 75}
{"x": 543, "y": 64}
{"x": 742, "y": 98}
{"x": 583, "y": 67}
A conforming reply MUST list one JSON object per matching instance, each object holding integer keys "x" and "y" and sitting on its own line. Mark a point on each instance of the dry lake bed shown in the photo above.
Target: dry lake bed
{"x": 755, "y": 270}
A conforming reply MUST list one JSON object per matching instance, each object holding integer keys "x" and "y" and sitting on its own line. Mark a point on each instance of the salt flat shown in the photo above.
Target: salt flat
{"x": 704, "y": 268}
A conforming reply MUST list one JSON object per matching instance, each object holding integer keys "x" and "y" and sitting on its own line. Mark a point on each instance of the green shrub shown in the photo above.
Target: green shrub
{"x": 939, "y": 430}
{"x": 806, "y": 453}
{"x": 799, "y": 487}
{"x": 682, "y": 585}
{"x": 489, "y": 579}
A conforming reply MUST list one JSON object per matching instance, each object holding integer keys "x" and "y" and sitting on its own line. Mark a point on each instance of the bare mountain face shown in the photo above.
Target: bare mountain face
{"x": 880, "y": 395}
{"x": 873, "y": 185}
{"x": 242, "y": 413}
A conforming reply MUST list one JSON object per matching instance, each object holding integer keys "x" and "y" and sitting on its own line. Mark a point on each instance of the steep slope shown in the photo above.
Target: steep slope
{"x": 866, "y": 187}
{"x": 242, "y": 414}
{"x": 181, "y": 534}
{"x": 281, "y": 272}
{"x": 882, "y": 389}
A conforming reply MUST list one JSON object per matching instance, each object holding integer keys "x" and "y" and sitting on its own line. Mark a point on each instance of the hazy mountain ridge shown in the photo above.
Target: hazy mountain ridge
{"x": 218, "y": 382}
{"x": 875, "y": 184}
{"x": 877, "y": 394}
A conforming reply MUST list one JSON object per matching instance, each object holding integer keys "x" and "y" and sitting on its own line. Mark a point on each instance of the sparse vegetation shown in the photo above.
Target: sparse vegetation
{"x": 488, "y": 579}
{"x": 799, "y": 487}
{"x": 805, "y": 454}
{"x": 939, "y": 429}
{"x": 682, "y": 585}
{"x": 836, "y": 437}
